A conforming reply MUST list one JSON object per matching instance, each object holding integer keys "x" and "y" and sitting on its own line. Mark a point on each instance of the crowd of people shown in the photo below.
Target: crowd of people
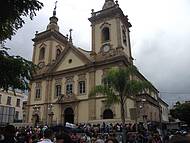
{"x": 81, "y": 133}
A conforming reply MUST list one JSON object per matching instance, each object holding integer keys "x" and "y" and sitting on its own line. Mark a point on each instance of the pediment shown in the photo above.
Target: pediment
{"x": 70, "y": 58}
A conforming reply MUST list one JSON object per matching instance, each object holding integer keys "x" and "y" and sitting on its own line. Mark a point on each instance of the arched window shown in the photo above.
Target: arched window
{"x": 108, "y": 114}
{"x": 58, "y": 52}
{"x": 42, "y": 54}
{"x": 105, "y": 34}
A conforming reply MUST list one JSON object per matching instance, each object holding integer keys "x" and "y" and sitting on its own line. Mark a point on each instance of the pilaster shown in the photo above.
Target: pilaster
{"x": 118, "y": 32}
{"x": 50, "y": 51}
{"x": 92, "y": 102}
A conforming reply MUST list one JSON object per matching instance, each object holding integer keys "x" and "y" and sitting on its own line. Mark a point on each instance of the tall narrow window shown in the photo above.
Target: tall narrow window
{"x": 37, "y": 93}
{"x": 57, "y": 90}
{"x": 8, "y": 100}
{"x": 124, "y": 36}
{"x": 106, "y": 82}
{"x": 69, "y": 88}
{"x": 105, "y": 34}
{"x": 58, "y": 52}
{"x": 42, "y": 54}
{"x": 18, "y": 102}
{"x": 16, "y": 115}
{"x": 38, "y": 90}
{"x": 82, "y": 87}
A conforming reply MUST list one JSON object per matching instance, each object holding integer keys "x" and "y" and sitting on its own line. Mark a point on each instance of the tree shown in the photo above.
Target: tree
{"x": 119, "y": 84}
{"x": 15, "y": 71}
{"x": 12, "y": 13}
{"x": 181, "y": 111}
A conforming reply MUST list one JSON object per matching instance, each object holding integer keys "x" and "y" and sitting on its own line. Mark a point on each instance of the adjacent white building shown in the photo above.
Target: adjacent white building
{"x": 11, "y": 107}
{"x": 164, "y": 111}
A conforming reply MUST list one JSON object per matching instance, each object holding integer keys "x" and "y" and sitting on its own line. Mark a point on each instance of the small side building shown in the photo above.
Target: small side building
{"x": 11, "y": 107}
{"x": 164, "y": 111}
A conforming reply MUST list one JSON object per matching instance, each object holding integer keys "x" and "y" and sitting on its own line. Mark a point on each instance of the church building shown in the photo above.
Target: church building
{"x": 60, "y": 87}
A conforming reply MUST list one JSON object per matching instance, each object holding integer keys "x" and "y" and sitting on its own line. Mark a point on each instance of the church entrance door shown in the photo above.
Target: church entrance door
{"x": 69, "y": 115}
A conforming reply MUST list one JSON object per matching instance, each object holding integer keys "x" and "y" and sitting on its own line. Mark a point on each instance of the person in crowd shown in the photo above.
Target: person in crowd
{"x": 63, "y": 138}
{"x": 74, "y": 137}
{"x": 48, "y": 136}
{"x": 28, "y": 139}
{"x": 110, "y": 140}
{"x": 9, "y": 134}
{"x": 99, "y": 139}
{"x": 156, "y": 138}
{"x": 166, "y": 138}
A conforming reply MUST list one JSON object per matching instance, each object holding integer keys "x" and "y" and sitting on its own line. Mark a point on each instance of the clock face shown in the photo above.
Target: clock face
{"x": 106, "y": 48}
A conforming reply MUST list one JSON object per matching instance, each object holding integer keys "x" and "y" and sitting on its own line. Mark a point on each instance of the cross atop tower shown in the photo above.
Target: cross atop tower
{"x": 70, "y": 37}
{"x": 54, "y": 11}
{"x": 53, "y": 20}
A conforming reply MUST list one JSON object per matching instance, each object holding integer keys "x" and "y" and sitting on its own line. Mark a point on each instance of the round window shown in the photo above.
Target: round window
{"x": 70, "y": 61}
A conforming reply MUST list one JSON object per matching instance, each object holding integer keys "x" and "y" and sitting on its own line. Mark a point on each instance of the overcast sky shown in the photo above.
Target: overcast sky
{"x": 160, "y": 38}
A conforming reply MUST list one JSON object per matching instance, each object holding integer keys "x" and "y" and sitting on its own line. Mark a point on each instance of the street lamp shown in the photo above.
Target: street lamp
{"x": 142, "y": 108}
{"x": 50, "y": 113}
{"x": 36, "y": 114}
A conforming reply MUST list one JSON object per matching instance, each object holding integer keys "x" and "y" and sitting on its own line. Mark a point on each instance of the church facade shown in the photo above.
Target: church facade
{"x": 60, "y": 87}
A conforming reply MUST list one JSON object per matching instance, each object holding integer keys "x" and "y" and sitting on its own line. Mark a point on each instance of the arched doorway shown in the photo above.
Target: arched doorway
{"x": 107, "y": 114}
{"x": 69, "y": 115}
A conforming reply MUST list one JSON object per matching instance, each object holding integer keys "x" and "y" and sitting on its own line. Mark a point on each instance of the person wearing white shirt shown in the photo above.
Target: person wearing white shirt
{"x": 48, "y": 136}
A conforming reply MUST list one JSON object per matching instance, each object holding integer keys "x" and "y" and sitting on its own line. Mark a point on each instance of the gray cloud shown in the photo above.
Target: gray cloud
{"x": 159, "y": 37}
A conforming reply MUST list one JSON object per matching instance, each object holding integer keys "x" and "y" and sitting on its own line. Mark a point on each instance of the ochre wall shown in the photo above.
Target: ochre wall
{"x": 76, "y": 62}
{"x": 98, "y": 35}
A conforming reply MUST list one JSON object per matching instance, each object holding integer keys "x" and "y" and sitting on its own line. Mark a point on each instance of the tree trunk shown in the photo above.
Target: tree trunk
{"x": 123, "y": 119}
{"x": 123, "y": 113}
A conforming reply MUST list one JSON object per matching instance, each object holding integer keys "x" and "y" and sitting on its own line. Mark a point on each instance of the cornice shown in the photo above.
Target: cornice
{"x": 88, "y": 67}
{"x": 116, "y": 12}
{"x": 149, "y": 99}
{"x": 48, "y": 34}
{"x": 162, "y": 101}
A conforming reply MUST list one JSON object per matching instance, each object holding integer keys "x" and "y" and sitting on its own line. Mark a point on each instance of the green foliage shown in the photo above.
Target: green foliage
{"x": 15, "y": 71}
{"x": 119, "y": 84}
{"x": 181, "y": 111}
{"x": 106, "y": 91}
{"x": 12, "y": 13}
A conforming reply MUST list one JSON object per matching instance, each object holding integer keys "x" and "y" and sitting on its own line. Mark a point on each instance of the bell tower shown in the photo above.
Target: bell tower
{"x": 110, "y": 30}
{"x": 49, "y": 44}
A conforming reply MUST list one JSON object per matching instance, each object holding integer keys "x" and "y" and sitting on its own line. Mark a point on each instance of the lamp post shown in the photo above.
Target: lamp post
{"x": 35, "y": 114}
{"x": 144, "y": 116}
{"x": 50, "y": 114}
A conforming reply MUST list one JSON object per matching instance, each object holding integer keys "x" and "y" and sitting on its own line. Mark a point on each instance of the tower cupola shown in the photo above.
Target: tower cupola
{"x": 53, "y": 20}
